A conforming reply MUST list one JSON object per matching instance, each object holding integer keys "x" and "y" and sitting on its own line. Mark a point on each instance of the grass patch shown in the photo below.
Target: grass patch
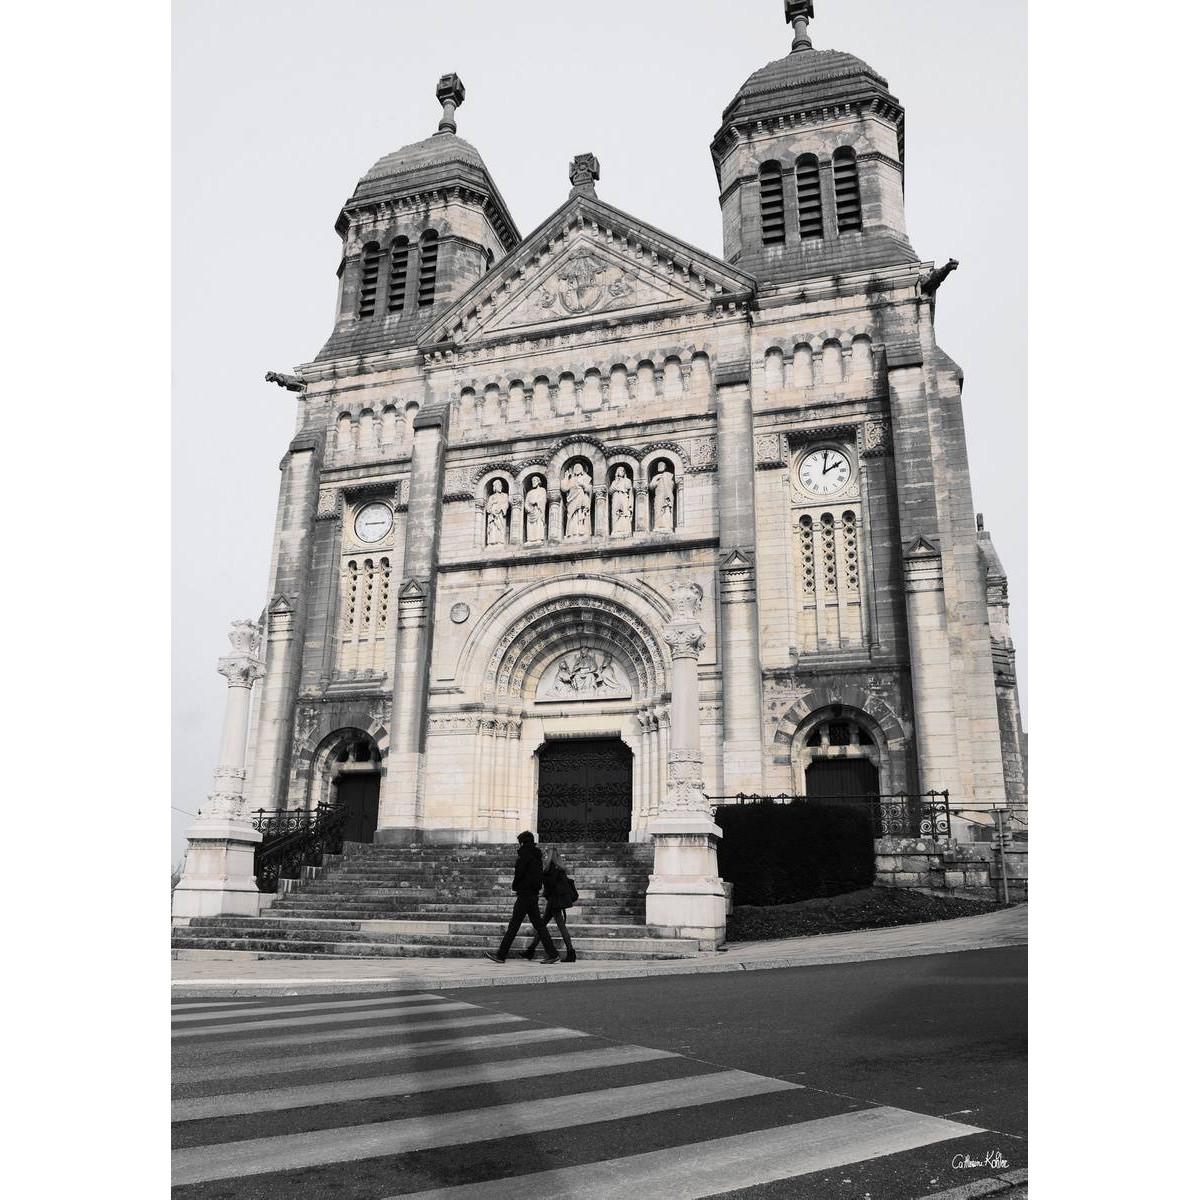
{"x": 869, "y": 908}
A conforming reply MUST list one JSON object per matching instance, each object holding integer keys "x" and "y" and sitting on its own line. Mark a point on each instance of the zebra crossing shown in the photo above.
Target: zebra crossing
{"x": 418, "y": 1096}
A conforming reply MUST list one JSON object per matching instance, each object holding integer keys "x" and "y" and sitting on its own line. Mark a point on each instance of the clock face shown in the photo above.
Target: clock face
{"x": 824, "y": 472}
{"x": 373, "y": 522}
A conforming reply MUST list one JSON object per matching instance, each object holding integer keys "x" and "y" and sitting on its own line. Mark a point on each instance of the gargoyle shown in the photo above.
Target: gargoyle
{"x": 934, "y": 280}
{"x": 293, "y": 383}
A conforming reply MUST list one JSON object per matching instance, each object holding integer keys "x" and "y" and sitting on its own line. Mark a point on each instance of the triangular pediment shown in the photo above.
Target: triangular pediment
{"x": 588, "y": 261}
{"x": 922, "y": 547}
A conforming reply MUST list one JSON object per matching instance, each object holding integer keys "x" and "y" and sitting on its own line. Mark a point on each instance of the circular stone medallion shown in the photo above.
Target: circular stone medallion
{"x": 459, "y": 613}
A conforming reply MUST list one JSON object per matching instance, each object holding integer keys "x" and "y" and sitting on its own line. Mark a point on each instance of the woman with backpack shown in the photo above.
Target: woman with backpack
{"x": 560, "y": 893}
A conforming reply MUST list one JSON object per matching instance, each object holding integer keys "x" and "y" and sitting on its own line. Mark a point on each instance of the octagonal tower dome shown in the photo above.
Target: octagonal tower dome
{"x": 422, "y": 226}
{"x": 810, "y": 159}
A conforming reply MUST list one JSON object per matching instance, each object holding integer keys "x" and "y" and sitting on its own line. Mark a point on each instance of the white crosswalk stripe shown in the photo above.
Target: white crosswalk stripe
{"x": 724, "y": 1164}
{"x": 349, "y": 1058}
{"x": 337, "y": 1018}
{"x": 406, "y": 1085}
{"x": 302, "y": 1079}
{"x": 311, "y": 1037}
{"x": 380, "y": 1002}
{"x": 257, "y": 1156}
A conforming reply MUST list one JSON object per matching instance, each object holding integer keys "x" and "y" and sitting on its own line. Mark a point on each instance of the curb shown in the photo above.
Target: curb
{"x": 199, "y": 989}
{"x": 1007, "y": 1184}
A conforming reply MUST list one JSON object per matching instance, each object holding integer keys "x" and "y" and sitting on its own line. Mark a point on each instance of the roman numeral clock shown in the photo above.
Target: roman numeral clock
{"x": 824, "y": 472}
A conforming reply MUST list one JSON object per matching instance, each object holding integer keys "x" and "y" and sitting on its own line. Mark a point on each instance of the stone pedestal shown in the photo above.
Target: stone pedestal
{"x": 218, "y": 869}
{"x": 685, "y": 892}
{"x": 218, "y": 873}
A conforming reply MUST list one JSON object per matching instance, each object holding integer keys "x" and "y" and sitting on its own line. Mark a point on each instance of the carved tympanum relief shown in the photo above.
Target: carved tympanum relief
{"x": 589, "y": 673}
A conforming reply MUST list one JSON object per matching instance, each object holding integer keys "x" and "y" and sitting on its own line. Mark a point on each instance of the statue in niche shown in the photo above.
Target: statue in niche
{"x": 622, "y": 503}
{"x": 535, "y": 511}
{"x": 577, "y": 485}
{"x": 498, "y": 505}
{"x": 662, "y": 487}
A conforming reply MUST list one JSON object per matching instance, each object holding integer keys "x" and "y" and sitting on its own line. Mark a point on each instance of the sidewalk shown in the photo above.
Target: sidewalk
{"x": 240, "y": 974}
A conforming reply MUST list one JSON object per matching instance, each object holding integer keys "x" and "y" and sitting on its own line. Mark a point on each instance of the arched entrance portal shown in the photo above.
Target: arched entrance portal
{"x": 585, "y": 790}
{"x": 355, "y": 773}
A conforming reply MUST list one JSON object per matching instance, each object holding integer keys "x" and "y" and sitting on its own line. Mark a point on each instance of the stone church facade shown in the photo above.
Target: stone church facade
{"x": 511, "y": 449}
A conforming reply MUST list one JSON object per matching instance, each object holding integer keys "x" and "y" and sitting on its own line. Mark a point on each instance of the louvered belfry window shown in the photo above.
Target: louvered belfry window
{"x": 428, "y": 280}
{"x": 808, "y": 195}
{"x": 771, "y": 186}
{"x": 845, "y": 190}
{"x": 398, "y": 278}
{"x": 369, "y": 288}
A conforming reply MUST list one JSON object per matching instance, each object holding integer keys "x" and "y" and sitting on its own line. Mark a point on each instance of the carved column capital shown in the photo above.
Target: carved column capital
{"x": 241, "y": 671}
{"x": 686, "y": 639}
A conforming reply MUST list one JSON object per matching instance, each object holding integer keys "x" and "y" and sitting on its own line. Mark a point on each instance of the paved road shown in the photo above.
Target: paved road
{"x": 862, "y": 1080}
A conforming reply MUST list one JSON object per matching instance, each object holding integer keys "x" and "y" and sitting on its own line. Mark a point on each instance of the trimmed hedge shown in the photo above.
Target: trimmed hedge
{"x": 782, "y": 853}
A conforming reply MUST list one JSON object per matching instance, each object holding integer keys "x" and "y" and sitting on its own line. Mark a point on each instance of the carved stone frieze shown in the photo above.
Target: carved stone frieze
{"x": 876, "y": 439}
{"x": 453, "y": 723}
{"x": 329, "y": 504}
{"x": 703, "y": 453}
{"x": 458, "y": 485}
{"x": 767, "y": 451}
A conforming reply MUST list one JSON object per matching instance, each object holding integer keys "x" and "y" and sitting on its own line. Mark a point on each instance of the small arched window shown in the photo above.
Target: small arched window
{"x": 808, "y": 196}
{"x": 398, "y": 276}
{"x": 427, "y": 282}
{"x": 770, "y": 179}
{"x": 369, "y": 287}
{"x": 845, "y": 190}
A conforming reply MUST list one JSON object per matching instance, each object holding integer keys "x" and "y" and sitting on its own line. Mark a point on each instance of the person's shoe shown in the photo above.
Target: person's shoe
{"x": 494, "y": 956}
{"x": 569, "y": 956}
{"x": 530, "y": 954}
{"x": 547, "y": 961}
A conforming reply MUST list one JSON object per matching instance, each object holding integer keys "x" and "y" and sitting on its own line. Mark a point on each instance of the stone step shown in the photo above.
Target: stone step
{"x": 336, "y": 890}
{"x": 231, "y": 926}
{"x": 492, "y": 916}
{"x": 598, "y": 948}
{"x": 438, "y": 911}
{"x": 374, "y": 871}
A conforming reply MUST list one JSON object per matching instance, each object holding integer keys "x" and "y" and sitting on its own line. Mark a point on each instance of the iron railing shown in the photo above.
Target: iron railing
{"x": 295, "y": 838}
{"x": 894, "y": 814}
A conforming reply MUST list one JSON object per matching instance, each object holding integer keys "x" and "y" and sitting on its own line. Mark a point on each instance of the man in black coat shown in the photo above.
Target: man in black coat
{"x": 527, "y": 882}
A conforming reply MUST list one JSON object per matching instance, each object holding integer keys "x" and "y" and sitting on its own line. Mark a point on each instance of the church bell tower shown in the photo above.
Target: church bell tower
{"x": 810, "y": 159}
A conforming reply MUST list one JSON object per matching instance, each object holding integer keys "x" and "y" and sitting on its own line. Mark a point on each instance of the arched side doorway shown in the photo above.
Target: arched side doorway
{"x": 585, "y": 790}
{"x": 350, "y": 770}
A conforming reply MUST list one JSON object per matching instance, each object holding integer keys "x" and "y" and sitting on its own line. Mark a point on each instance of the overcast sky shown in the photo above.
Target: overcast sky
{"x": 279, "y": 106}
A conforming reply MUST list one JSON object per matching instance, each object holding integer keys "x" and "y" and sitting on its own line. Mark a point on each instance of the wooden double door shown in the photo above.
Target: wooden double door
{"x": 585, "y": 790}
{"x": 360, "y": 794}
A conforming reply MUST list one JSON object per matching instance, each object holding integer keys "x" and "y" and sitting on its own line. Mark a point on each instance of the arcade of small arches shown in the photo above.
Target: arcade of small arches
{"x": 581, "y": 389}
{"x": 390, "y": 429}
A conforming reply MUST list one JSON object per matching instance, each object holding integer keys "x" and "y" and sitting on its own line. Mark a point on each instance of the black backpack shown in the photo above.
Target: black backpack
{"x": 569, "y": 890}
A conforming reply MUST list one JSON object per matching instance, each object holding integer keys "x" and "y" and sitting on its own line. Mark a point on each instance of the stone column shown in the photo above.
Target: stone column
{"x": 291, "y": 585}
{"x": 400, "y": 816}
{"x": 641, "y": 508}
{"x": 685, "y": 892}
{"x": 218, "y": 870}
{"x": 929, "y": 653}
{"x": 741, "y": 657}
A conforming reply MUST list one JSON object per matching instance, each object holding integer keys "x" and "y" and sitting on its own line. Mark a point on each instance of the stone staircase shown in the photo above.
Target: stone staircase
{"x": 378, "y": 901}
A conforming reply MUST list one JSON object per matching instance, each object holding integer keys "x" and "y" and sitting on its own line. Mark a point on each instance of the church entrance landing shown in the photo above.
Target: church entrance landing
{"x": 585, "y": 790}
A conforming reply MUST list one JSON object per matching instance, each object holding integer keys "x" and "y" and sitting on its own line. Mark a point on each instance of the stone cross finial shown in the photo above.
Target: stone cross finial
{"x": 585, "y": 174}
{"x": 798, "y": 13}
{"x": 450, "y": 93}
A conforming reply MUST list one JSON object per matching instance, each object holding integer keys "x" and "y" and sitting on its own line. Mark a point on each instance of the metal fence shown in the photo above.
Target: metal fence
{"x": 894, "y": 814}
